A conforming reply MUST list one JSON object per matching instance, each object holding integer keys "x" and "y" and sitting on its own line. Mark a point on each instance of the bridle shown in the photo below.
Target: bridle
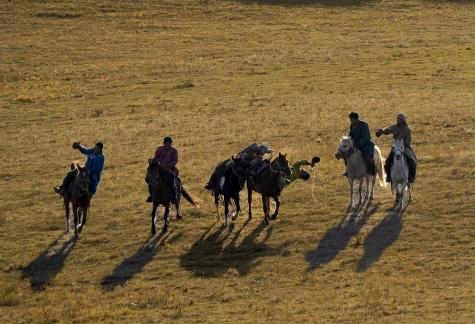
{"x": 399, "y": 156}
{"x": 346, "y": 154}
{"x": 279, "y": 171}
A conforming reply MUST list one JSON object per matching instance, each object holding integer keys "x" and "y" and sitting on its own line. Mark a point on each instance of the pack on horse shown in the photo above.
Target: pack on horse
{"x": 78, "y": 195}
{"x": 229, "y": 184}
{"x": 162, "y": 193}
{"x": 269, "y": 180}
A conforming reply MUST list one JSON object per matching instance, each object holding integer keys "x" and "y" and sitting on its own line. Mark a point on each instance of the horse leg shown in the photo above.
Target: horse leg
{"x": 277, "y": 205}
{"x": 350, "y": 205}
{"x": 360, "y": 191}
{"x": 67, "y": 211}
{"x": 266, "y": 211}
{"x": 84, "y": 218}
{"x": 165, "y": 218}
{"x": 249, "y": 198}
{"x": 76, "y": 219}
{"x": 216, "y": 203}
{"x": 178, "y": 215}
{"x": 226, "y": 210}
{"x": 154, "y": 211}
{"x": 237, "y": 205}
{"x": 371, "y": 193}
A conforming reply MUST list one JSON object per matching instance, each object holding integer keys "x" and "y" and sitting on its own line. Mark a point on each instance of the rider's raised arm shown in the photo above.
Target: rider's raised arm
{"x": 389, "y": 130}
{"x": 85, "y": 150}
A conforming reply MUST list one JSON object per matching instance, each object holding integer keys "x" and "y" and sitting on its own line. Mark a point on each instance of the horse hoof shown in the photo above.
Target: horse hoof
{"x": 179, "y": 217}
{"x": 165, "y": 229}
{"x": 154, "y": 231}
{"x": 273, "y": 217}
{"x": 266, "y": 219}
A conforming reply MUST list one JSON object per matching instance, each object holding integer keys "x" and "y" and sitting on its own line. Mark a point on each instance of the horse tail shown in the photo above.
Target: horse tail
{"x": 380, "y": 167}
{"x": 194, "y": 201}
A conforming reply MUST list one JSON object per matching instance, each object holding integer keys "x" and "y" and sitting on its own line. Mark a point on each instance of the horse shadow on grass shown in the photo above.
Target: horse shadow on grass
{"x": 380, "y": 238}
{"x": 210, "y": 257}
{"x": 337, "y": 238}
{"x": 42, "y": 270}
{"x": 135, "y": 263}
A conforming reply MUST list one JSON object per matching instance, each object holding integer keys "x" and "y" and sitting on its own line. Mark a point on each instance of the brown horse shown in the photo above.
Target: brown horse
{"x": 78, "y": 195}
{"x": 269, "y": 182}
{"x": 162, "y": 195}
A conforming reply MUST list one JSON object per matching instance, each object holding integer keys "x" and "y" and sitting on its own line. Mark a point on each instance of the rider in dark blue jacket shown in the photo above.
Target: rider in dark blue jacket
{"x": 359, "y": 132}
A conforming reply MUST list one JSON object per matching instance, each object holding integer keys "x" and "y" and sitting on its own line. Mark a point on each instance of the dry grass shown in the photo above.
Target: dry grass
{"x": 218, "y": 75}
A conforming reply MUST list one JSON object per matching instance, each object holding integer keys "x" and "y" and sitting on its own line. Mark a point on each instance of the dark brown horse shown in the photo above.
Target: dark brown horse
{"x": 162, "y": 194}
{"x": 269, "y": 182}
{"x": 78, "y": 195}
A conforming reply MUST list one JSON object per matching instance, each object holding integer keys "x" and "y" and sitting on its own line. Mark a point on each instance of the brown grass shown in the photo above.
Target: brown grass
{"x": 287, "y": 72}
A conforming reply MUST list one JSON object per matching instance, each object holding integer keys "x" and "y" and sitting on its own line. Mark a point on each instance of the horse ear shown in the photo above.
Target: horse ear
{"x": 285, "y": 155}
{"x": 232, "y": 158}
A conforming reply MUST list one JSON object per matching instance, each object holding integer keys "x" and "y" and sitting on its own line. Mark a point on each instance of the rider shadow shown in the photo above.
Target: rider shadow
{"x": 135, "y": 263}
{"x": 209, "y": 258}
{"x": 42, "y": 270}
{"x": 337, "y": 238}
{"x": 380, "y": 238}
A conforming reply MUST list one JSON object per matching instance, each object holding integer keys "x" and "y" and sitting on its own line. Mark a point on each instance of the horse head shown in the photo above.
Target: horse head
{"x": 239, "y": 167}
{"x": 82, "y": 179}
{"x": 398, "y": 148}
{"x": 281, "y": 164}
{"x": 344, "y": 148}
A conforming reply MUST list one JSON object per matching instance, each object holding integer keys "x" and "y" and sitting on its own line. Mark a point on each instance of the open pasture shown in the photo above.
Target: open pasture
{"x": 218, "y": 75}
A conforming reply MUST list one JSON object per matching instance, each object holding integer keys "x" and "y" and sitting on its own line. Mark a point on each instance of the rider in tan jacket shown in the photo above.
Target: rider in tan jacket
{"x": 402, "y": 131}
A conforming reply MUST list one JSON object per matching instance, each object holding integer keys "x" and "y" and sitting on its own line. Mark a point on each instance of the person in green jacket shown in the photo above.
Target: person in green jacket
{"x": 298, "y": 173}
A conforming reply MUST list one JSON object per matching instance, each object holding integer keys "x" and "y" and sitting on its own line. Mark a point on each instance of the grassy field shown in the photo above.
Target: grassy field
{"x": 218, "y": 75}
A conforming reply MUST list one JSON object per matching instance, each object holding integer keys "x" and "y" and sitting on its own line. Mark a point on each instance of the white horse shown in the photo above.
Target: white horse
{"x": 400, "y": 174}
{"x": 356, "y": 169}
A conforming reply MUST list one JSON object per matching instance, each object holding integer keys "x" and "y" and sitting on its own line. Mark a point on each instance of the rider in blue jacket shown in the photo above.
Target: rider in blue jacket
{"x": 94, "y": 163}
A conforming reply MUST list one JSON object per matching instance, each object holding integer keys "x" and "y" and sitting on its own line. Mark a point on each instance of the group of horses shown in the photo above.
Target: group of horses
{"x": 269, "y": 182}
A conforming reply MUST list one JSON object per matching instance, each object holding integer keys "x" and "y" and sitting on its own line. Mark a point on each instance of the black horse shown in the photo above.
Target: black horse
{"x": 269, "y": 182}
{"x": 79, "y": 197}
{"x": 229, "y": 185}
{"x": 162, "y": 194}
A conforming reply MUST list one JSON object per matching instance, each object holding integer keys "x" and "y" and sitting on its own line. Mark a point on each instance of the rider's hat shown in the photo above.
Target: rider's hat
{"x": 168, "y": 139}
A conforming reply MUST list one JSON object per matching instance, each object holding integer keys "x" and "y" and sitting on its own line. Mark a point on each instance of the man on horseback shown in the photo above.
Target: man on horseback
{"x": 94, "y": 164}
{"x": 166, "y": 156}
{"x": 359, "y": 133}
{"x": 402, "y": 131}
{"x": 254, "y": 154}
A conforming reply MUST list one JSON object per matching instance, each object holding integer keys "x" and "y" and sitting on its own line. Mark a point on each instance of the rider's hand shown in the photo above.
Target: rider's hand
{"x": 76, "y": 145}
{"x": 379, "y": 132}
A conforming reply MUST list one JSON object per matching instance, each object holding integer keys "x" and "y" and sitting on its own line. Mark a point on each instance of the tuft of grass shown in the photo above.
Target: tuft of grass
{"x": 24, "y": 99}
{"x": 9, "y": 296}
{"x": 98, "y": 113}
{"x": 185, "y": 85}
{"x": 58, "y": 15}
